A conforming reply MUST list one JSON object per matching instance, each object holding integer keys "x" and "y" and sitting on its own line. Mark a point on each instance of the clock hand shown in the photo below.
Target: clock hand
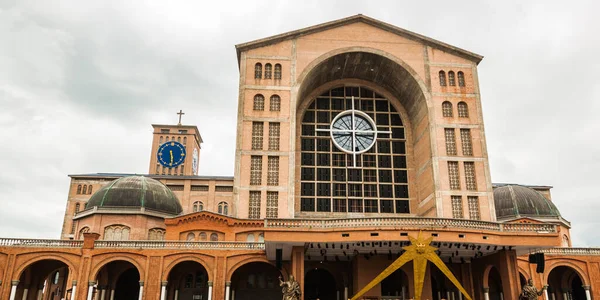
{"x": 171, "y": 151}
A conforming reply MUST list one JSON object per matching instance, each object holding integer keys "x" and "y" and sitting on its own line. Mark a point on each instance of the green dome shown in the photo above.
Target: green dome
{"x": 520, "y": 201}
{"x": 136, "y": 192}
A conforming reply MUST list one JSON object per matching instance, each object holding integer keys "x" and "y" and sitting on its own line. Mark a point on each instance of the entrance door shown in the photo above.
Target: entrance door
{"x": 319, "y": 284}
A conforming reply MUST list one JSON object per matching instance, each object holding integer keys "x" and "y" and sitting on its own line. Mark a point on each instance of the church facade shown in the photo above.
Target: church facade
{"x": 352, "y": 136}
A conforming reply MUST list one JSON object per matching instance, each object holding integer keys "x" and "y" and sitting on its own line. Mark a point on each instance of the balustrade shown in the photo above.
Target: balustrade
{"x": 40, "y": 243}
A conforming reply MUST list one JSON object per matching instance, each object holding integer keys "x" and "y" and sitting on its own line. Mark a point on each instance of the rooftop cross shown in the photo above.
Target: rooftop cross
{"x": 180, "y": 113}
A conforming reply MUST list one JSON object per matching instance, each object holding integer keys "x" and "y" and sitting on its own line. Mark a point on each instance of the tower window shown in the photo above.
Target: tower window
{"x": 457, "y": 207}
{"x": 214, "y": 237}
{"x": 254, "y": 205}
{"x": 257, "y": 135}
{"x": 450, "y": 141}
{"x": 257, "y": 71}
{"x": 461, "y": 78}
{"x": 451, "y": 78}
{"x": 79, "y": 189}
{"x": 473, "y": 202}
{"x": 223, "y": 208}
{"x": 84, "y": 190}
{"x": 165, "y": 131}
{"x": 453, "y": 175}
{"x": 259, "y": 102}
{"x": 274, "y": 131}
{"x": 463, "y": 109}
{"x": 275, "y": 103}
{"x": 198, "y": 206}
{"x": 77, "y": 206}
{"x": 470, "y": 178}
{"x": 466, "y": 141}
{"x": 447, "y": 109}
{"x": 272, "y": 204}
{"x": 277, "y": 73}
{"x": 268, "y": 71}
{"x": 442, "y": 78}
{"x": 89, "y": 189}
{"x": 273, "y": 170}
{"x": 255, "y": 170}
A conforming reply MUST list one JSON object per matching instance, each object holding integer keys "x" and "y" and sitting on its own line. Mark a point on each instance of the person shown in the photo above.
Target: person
{"x": 530, "y": 292}
{"x": 290, "y": 288}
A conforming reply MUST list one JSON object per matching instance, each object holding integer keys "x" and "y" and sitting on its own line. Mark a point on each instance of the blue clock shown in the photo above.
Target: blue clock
{"x": 171, "y": 154}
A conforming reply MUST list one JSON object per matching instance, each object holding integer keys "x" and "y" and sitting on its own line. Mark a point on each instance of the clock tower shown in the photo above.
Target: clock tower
{"x": 175, "y": 150}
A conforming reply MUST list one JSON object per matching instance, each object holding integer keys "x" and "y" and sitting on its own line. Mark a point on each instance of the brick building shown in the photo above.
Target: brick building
{"x": 352, "y": 135}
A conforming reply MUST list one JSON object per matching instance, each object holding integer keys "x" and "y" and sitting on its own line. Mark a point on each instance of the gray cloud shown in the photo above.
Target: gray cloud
{"x": 81, "y": 83}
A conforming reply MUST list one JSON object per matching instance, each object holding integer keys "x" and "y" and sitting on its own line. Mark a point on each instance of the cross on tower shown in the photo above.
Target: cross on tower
{"x": 180, "y": 113}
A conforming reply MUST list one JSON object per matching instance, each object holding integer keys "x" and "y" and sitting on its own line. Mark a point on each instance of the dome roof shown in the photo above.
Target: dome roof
{"x": 517, "y": 200}
{"x": 136, "y": 191}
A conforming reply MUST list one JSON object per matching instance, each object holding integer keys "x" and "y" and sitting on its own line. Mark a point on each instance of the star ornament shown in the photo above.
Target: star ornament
{"x": 419, "y": 252}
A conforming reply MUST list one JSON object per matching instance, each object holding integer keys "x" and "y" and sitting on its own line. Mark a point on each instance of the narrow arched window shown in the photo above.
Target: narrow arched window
{"x": 447, "y": 109}
{"x": 261, "y": 238}
{"x": 442, "y": 78}
{"x": 259, "y": 102}
{"x": 190, "y": 237}
{"x": 90, "y": 189}
{"x": 184, "y": 140}
{"x": 451, "y": 79}
{"x": 214, "y": 237}
{"x": 268, "y": 71}
{"x": 463, "y": 110}
{"x": 250, "y": 237}
{"x": 257, "y": 71}
{"x": 461, "y": 78}
{"x": 275, "y": 103}
{"x": 277, "y": 73}
{"x": 116, "y": 233}
{"x": 77, "y": 206}
{"x": 198, "y": 206}
{"x": 156, "y": 234}
{"x": 84, "y": 189}
{"x": 179, "y": 139}
{"x": 223, "y": 208}
{"x": 203, "y": 236}
{"x": 79, "y": 189}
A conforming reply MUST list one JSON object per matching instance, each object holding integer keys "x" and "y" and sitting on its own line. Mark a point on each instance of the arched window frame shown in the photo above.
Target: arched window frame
{"x": 277, "y": 72}
{"x": 89, "y": 189}
{"x": 258, "y": 71}
{"x": 268, "y": 71}
{"x": 461, "y": 78}
{"x": 259, "y": 102}
{"x": 451, "y": 79}
{"x": 202, "y": 236}
{"x": 116, "y": 232}
{"x": 190, "y": 237}
{"x": 447, "y": 109}
{"x": 223, "y": 208}
{"x": 462, "y": 109}
{"x": 275, "y": 103}
{"x": 156, "y": 234}
{"x": 82, "y": 231}
{"x": 250, "y": 238}
{"x": 79, "y": 189}
{"x": 442, "y": 76}
{"x": 198, "y": 206}
{"x": 214, "y": 237}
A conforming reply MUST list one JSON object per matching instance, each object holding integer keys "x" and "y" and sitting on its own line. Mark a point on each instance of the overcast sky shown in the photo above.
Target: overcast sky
{"x": 81, "y": 82}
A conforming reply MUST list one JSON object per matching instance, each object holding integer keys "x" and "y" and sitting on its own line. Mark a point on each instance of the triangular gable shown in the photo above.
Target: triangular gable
{"x": 354, "y": 19}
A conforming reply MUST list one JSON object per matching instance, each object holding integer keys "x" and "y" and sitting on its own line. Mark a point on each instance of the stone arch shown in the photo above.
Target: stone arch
{"x": 171, "y": 265}
{"x": 31, "y": 261}
{"x": 486, "y": 275}
{"x": 243, "y": 262}
{"x": 106, "y": 261}
{"x": 578, "y": 270}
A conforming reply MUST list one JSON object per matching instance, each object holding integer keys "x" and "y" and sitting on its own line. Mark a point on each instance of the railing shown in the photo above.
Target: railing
{"x": 179, "y": 245}
{"x": 571, "y": 251}
{"x": 410, "y": 222}
{"x": 40, "y": 243}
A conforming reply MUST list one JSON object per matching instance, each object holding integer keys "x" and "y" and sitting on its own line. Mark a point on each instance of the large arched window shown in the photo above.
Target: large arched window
{"x": 442, "y": 78}
{"x": 463, "y": 109}
{"x": 79, "y": 189}
{"x": 156, "y": 234}
{"x": 223, "y": 208}
{"x": 258, "y": 71}
{"x": 198, "y": 206}
{"x": 259, "y": 102}
{"x": 116, "y": 233}
{"x": 268, "y": 71}
{"x": 275, "y": 103}
{"x": 451, "y": 79}
{"x": 447, "y": 109}
{"x": 277, "y": 73}
{"x": 328, "y": 181}
{"x": 461, "y": 78}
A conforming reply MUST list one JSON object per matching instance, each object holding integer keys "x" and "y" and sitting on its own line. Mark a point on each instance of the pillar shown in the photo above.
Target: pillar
{"x": 345, "y": 293}
{"x": 176, "y": 295}
{"x": 90, "y": 289}
{"x": 588, "y": 296}
{"x": 13, "y": 289}
{"x": 501, "y": 296}
{"x": 25, "y": 292}
{"x": 232, "y": 294}
{"x": 486, "y": 293}
{"x": 565, "y": 295}
{"x": 297, "y": 268}
{"x": 103, "y": 293}
{"x": 40, "y": 292}
{"x": 227, "y": 288}
{"x": 337, "y": 295}
{"x": 140, "y": 295}
{"x": 73, "y": 289}
{"x": 112, "y": 294}
{"x": 163, "y": 290}
{"x": 448, "y": 295}
{"x": 210, "y": 285}
{"x": 546, "y": 294}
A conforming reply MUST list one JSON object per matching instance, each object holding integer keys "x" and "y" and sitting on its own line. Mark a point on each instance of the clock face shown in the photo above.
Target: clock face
{"x": 353, "y": 132}
{"x": 171, "y": 154}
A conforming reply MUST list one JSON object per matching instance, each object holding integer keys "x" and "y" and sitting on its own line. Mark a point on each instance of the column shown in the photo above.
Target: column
{"x": 163, "y": 290}
{"x": 103, "y": 293}
{"x": 460, "y": 296}
{"x": 210, "y": 285}
{"x": 501, "y": 296}
{"x": 227, "y": 288}
{"x": 345, "y": 293}
{"x": 337, "y": 295}
{"x": 545, "y": 294}
{"x": 486, "y": 293}
{"x": 403, "y": 293}
{"x": 140, "y": 295}
{"x": 13, "y": 289}
{"x": 587, "y": 292}
{"x": 25, "y": 292}
{"x": 73, "y": 289}
{"x": 448, "y": 295}
{"x": 90, "y": 289}
{"x": 40, "y": 292}
{"x": 176, "y": 294}
{"x": 565, "y": 295}
{"x": 232, "y": 294}
{"x": 112, "y": 294}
